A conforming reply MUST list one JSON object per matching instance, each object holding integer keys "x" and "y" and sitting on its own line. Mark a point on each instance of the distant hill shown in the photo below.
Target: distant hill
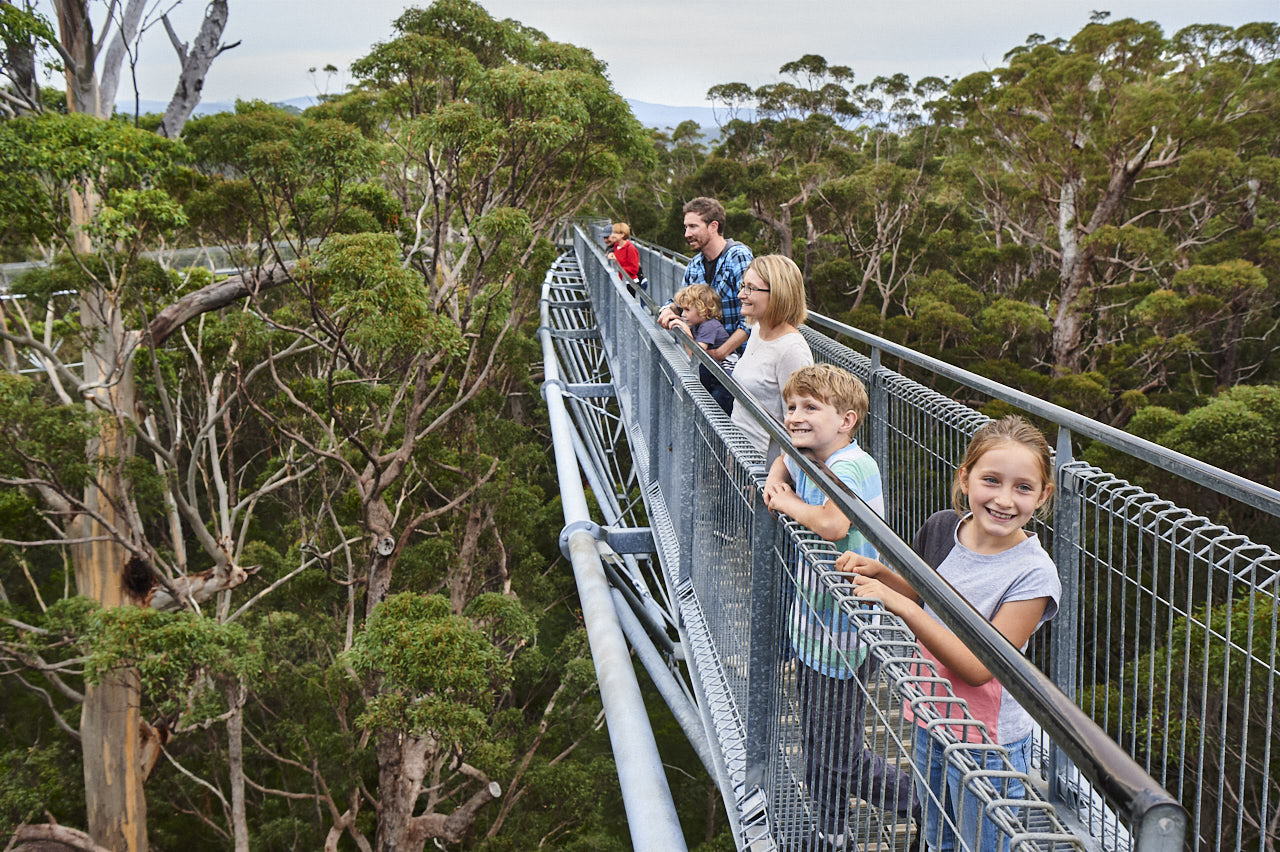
{"x": 206, "y": 107}
{"x": 665, "y": 117}
{"x": 659, "y": 116}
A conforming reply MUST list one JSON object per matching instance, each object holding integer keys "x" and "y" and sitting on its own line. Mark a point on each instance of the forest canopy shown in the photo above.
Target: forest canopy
{"x": 287, "y": 531}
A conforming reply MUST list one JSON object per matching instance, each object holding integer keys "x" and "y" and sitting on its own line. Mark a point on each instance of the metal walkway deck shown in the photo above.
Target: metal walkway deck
{"x": 701, "y": 573}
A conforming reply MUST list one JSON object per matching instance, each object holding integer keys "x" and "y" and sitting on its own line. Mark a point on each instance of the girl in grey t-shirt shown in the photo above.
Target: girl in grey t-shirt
{"x": 982, "y": 549}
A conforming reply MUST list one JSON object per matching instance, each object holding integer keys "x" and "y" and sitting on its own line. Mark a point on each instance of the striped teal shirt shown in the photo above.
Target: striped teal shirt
{"x": 824, "y": 638}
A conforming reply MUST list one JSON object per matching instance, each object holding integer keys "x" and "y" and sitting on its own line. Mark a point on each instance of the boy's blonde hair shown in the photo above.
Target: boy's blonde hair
{"x": 786, "y": 289}
{"x": 700, "y": 296}
{"x": 1010, "y": 429}
{"x": 833, "y": 386}
{"x": 621, "y": 228}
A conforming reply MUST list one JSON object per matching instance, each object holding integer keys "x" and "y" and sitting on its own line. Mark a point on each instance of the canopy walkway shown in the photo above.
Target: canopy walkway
{"x": 1154, "y": 690}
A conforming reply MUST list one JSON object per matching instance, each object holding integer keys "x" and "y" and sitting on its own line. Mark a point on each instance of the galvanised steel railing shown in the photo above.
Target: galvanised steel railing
{"x": 1168, "y": 629}
{"x": 645, "y": 793}
{"x": 731, "y": 567}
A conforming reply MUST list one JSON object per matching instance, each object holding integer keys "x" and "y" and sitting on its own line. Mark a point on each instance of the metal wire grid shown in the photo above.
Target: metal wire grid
{"x": 918, "y": 438}
{"x": 1165, "y": 596}
{"x": 598, "y": 422}
{"x": 1170, "y": 678}
{"x": 882, "y": 734}
{"x": 1181, "y": 615}
{"x": 722, "y": 635}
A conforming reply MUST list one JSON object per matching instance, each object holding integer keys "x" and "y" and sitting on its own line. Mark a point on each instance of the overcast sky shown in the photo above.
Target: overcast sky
{"x": 663, "y": 51}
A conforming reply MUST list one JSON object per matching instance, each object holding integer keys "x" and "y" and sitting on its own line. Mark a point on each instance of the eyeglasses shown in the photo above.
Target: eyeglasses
{"x": 748, "y": 288}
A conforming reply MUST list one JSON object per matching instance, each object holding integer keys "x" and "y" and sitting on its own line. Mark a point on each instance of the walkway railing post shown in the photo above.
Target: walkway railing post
{"x": 690, "y": 483}
{"x": 1066, "y": 627}
{"x": 652, "y": 415}
{"x": 765, "y": 638}
{"x": 878, "y": 396}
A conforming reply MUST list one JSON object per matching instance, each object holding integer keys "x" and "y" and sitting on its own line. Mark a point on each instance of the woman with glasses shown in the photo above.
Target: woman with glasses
{"x": 773, "y": 304}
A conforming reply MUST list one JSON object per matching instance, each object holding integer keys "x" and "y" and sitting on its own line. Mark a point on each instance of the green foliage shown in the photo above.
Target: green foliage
{"x": 1238, "y": 429}
{"x": 46, "y": 156}
{"x": 290, "y": 177}
{"x": 439, "y": 674}
{"x": 385, "y": 306}
{"x": 1232, "y": 680}
{"x": 33, "y": 780}
{"x": 177, "y": 655}
{"x": 35, "y": 429}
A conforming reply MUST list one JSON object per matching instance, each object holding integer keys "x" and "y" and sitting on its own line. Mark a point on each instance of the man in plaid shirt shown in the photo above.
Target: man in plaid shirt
{"x": 718, "y": 262}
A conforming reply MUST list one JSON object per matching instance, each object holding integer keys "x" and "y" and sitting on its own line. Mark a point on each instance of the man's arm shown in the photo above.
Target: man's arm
{"x": 730, "y": 345}
{"x": 667, "y": 314}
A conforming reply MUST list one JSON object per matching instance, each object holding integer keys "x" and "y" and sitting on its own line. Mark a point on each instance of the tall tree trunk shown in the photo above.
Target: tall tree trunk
{"x": 113, "y": 61}
{"x": 195, "y": 65}
{"x": 810, "y": 244}
{"x": 1230, "y": 354}
{"x": 1068, "y": 327}
{"x": 110, "y": 724}
{"x": 235, "y": 765}
{"x": 75, "y": 32}
{"x": 402, "y": 764}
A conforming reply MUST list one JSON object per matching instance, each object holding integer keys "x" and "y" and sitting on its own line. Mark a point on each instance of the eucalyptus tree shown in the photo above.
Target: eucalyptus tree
{"x": 788, "y": 140}
{"x": 97, "y": 214}
{"x": 1078, "y": 143}
{"x": 145, "y": 518}
{"x": 390, "y": 358}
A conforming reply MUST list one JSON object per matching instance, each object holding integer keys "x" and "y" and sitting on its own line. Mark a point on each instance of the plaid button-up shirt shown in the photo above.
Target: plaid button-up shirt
{"x": 730, "y": 267}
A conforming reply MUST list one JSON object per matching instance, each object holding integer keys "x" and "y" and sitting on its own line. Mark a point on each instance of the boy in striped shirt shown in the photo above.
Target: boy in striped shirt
{"x": 824, "y": 407}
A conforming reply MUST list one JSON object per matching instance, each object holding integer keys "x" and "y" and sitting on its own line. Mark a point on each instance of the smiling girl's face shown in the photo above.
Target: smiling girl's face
{"x": 1004, "y": 488}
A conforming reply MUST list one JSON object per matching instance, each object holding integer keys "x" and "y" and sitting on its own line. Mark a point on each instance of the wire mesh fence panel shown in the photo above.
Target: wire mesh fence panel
{"x": 1181, "y": 617}
{"x": 1126, "y": 622}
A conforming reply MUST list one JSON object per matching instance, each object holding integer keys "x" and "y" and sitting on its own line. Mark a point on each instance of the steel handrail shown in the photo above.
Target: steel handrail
{"x": 1158, "y": 819}
{"x": 1201, "y": 473}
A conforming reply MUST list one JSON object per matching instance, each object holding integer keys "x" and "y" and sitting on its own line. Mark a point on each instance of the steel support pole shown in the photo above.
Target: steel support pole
{"x": 764, "y": 638}
{"x": 1066, "y": 627}
{"x": 646, "y": 796}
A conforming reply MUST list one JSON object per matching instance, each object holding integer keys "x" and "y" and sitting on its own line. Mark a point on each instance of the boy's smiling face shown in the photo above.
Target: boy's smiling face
{"x": 817, "y": 425}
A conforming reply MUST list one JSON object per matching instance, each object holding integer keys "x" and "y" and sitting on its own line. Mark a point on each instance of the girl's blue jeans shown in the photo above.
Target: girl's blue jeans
{"x": 950, "y": 807}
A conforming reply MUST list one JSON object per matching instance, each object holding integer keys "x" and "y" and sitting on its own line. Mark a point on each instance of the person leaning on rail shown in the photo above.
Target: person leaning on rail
{"x": 982, "y": 550}
{"x": 773, "y": 302}
{"x": 825, "y": 406}
{"x": 721, "y": 263}
{"x": 698, "y": 307}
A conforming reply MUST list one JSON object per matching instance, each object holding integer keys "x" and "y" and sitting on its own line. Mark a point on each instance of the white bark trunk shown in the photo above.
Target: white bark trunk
{"x": 113, "y": 60}
{"x": 235, "y": 765}
{"x": 195, "y": 65}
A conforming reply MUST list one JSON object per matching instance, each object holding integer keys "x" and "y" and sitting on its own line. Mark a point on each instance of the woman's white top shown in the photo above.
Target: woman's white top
{"x": 762, "y": 371}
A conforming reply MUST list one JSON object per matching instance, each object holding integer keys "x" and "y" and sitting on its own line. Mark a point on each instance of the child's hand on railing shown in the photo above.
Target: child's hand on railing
{"x": 855, "y": 563}
{"x": 776, "y": 493}
{"x": 874, "y": 580}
